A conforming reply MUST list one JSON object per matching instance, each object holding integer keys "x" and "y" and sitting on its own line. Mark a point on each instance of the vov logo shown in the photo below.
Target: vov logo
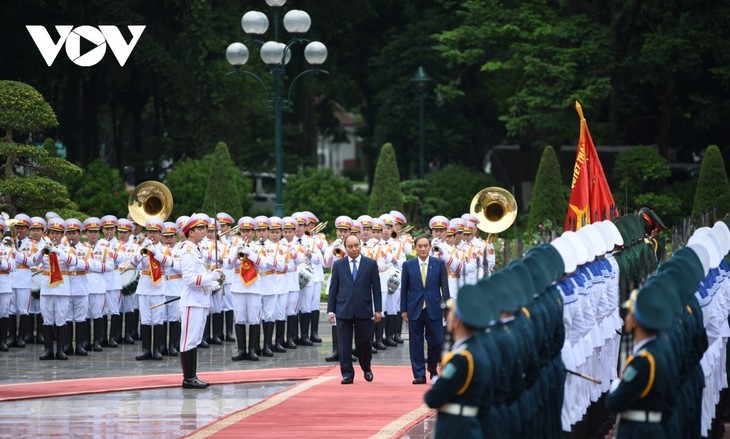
{"x": 71, "y": 37}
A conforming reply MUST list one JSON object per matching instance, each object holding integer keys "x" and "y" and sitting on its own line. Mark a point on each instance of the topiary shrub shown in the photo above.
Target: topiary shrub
{"x": 549, "y": 199}
{"x": 386, "y": 194}
{"x": 713, "y": 191}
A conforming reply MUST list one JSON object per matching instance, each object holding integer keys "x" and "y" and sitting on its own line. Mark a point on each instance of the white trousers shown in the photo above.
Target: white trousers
{"x": 97, "y": 305}
{"x": 316, "y": 297}
{"x": 172, "y": 309}
{"x": 192, "y": 326}
{"x": 305, "y": 299}
{"x": 129, "y": 303}
{"x": 5, "y": 299}
{"x": 216, "y": 301}
{"x": 292, "y": 300}
{"x": 227, "y": 302}
{"x": 246, "y": 308}
{"x": 78, "y": 309}
{"x": 149, "y": 316}
{"x": 20, "y": 303}
{"x": 54, "y": 309}
{"x": 113, "y": 301}
{"x": 268, "y": 307}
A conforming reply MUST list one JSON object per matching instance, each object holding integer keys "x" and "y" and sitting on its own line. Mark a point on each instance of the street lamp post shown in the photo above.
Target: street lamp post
{"x": 422, "y": 81}
{"x": 276, "y": 55}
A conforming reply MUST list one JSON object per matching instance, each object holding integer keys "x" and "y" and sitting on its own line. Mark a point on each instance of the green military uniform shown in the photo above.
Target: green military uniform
{"x": 462, "y": 387}
{"x": 644, "y": 395}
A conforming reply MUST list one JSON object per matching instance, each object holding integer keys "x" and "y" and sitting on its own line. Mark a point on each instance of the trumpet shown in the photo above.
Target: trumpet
{"x": 242, "y": 255}
{"x": 405, "y": 229}
{"x": 318, "y": 228}
{"x": 339, "y": 252}
{"x": 49, "y": 246}
{"x": 145, "y": 251}
{"x": 436, "y": 245}
{"x": 8, "y": 241}
{"x": 234, "y": 230}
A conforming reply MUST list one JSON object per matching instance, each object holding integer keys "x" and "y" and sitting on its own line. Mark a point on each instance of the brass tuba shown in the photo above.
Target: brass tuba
{"x": 495, "y": 208}
{"x": 149, "y": 200}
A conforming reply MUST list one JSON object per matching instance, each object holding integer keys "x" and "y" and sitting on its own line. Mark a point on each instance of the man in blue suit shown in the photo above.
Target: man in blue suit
{"x": 354, "y": 301}
{"x": 424, "y": 288}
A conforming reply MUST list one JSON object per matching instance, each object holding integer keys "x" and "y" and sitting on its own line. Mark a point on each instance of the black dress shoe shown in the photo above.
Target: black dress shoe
{"x": 346, "y": 381}
{"x": 80, "y": 351}
{"x": 419, "y": 380}
{"x": 194, "y": 383}
{"x": 369, "y": 376}
{"x": 60, "y": 355}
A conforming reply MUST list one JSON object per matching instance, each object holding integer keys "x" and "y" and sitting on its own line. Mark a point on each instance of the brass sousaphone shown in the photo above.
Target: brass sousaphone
{"x": 150, "y": 199}
{"x": 495, "y": 208}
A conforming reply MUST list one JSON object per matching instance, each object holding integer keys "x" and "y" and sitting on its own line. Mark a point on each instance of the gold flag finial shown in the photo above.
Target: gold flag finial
{"x": 579, "y": 109}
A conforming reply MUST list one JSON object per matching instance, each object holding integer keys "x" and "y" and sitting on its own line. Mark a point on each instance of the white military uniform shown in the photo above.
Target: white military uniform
{"x": 195, "y": 296}
{"x": 55, "y": 298}
{"x": 148, "y": 293}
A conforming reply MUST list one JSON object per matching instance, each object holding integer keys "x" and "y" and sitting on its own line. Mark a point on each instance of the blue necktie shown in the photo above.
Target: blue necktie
{"x": 354, "y": 269}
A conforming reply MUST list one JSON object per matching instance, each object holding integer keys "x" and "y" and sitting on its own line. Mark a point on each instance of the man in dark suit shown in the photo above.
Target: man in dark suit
{"x": 424, "y": 288}
{"x": 354, "y": 301}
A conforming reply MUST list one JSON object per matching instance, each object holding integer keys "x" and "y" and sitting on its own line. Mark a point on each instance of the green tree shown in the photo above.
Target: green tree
{"x": 187, "y": 182}
{"x": 636, "y": 171}
{"x": 100, "y": 190}
{"x": 386, "y": 194}
{"x": 324, "y": 194}
{"x": 227, "y": 190}
{"x": 454, "y": 186}
{"x": 549, "y": 198}
{"x": 30, "y": 179}
{"x": 713, "y": 190}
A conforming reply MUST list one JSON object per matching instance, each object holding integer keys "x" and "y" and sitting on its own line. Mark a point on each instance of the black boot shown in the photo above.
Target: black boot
{"x": 12, "y": 326}
{"x": 135, "y": 325}
{"x": 158, "y": 342}
{"x": 241, "y": 342}
{"x": 86, "y": 337}
{"x": 314, "y": 336}
{"x": 80, "y": 335}
{"x": 104, "y": 338}
{"x": 146, "y": 336}
{"x": 253, "y": 341}
{"x": 39, "y": 338}
{"x": 62, "y": 336}
{"x": 335, "y": 355}
{"x": 398, "y": 328}
{"x": 3, "y": 330}
{"x": 68, "y": 336}
{"x": 229, "y": 326}
{"x": 115, "y": 331}
{"x": 174, "y": 348}
{"x": 25, "y": 331}
{"x": 128, "y": 327}
{"x": 379, "y": 337}
{"x": 206, "y": 334}
{"x": 189, "y": 362}
{"x": 47, "y": 342}
{"x": 279, "y": 339}
{"x": 304, "y": 319}
{"x": 268, "y": 334}
{"x": 291, "y": 332}
{"x": 217, "y": 329}
{"x": 163, "y": 348}
{"x": 389, "y": 331}
{"x": 98, "y": 334}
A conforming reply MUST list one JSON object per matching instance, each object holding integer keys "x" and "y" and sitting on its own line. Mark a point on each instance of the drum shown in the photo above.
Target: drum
{"x": 393, "y": 280}
{"x": 130, "y": 276}
{"x": 306, "y": 271}
{"x": 35, "y": 288}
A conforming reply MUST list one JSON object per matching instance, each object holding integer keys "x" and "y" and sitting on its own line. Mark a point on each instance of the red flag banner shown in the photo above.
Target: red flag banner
{"x": 155, "y": 270}
{"x": 56, "y": 276}
{"x": 248, "y": 272}
{"x": 590, "y": 197}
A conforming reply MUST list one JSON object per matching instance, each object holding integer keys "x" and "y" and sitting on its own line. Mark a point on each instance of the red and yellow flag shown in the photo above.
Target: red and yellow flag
{"x": 590, "y": 197}
{"x": 56, "y": 277}
{"x": 248, "y": 272}
{"x": 155, "y": 270}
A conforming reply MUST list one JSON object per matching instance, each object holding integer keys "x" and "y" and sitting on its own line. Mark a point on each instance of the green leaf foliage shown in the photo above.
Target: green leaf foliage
{"x": 451, "y": 189}
{"x": 386, "y": 194}
{"x": 549, "y": 197}
{"x": 187, "y": 182}
{"x": 667, "y": 206}
{"x": 23, "y": 109}
{"x": 323, "y": 193}
{"x": 713, "y": 191}
{"x": 34, "y": 195}
{"x": 227, "y": 188}
{"x": 100, "y": 191}
{"x": 638, "y": 170}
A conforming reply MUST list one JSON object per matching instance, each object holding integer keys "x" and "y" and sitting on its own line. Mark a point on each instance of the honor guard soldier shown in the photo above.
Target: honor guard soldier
{"x": 333, "y": 252}
{"x": 652, "y": 226}
{"x": 291, "y": 286}
{"x": 281, "y": 282}
{"x": 273, "y": 279}
{"x": 225, "y": 223}
{"x": 6, "y": 288}
{"x": 20, "y": 279}
{"x": 78, "y": 309}
{"x": 468, "y": 261}
{"x": 452, "y": 256}
{"x": 122, "y": 261}
{"x": 407, "y": 240}
{"x": 215, "y": 251}
{"x": 246, "y": 296}
{"x": 195, "y": 298}
{"x": 113, "y": 280}
{"x": 307, "y": 296}
{"x": 152, "y": 259}
{"x": 641, "y": 397}
{"x": 173, "y": 286}
{"x": 55, "y": 259}
{"x": 458, "y": 393}
{"x": 320, "y": 243}
{"x": 471, "y": 235}
{"x": 37, "y": 231}
{"x": 97, "y": 262}
{"x": 391, "y": 292}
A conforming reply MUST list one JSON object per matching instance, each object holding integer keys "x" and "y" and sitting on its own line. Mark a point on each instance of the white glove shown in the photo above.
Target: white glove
{"x": 215, "y": 286}
{"x": 217, "y": 275}
{"x": 152, "y": 250}
{"x": 246, "y": 250}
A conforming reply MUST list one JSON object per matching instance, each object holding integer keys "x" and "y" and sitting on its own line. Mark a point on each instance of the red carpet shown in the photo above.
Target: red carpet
{"x": 323, "y": 408}
{"x": 44, "y": 389}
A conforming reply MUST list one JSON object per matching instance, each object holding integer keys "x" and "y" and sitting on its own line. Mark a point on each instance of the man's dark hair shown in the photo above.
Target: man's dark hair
{"x": 420, "y": 237}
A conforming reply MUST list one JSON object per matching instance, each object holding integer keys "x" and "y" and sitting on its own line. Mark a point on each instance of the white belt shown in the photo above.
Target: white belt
{"x": 640, "y": 416}
{"x": 459, "y": 410}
